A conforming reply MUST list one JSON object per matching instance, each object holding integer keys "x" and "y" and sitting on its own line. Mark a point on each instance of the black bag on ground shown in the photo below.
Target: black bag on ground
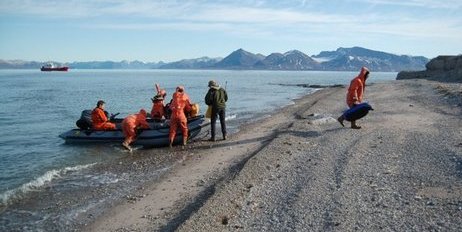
{"x": 357, "y": 111}
{"x": 84, "y": 122}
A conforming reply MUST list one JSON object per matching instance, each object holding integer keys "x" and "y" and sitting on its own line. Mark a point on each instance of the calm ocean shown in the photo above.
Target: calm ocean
{"x": 38, "y": 106}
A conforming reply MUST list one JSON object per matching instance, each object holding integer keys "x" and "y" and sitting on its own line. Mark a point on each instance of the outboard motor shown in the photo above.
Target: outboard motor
{"x": 84, "y": 122}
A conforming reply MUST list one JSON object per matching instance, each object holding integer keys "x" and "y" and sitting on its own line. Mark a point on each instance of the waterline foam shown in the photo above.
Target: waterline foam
{"x": 19, "y": 192}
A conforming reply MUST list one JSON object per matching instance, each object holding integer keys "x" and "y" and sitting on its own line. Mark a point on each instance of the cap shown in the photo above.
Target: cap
{"x": 180, "y": 88}
{"x": 213, "y": 84}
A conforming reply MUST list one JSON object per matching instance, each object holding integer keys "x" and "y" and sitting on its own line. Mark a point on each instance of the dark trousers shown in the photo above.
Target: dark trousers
{"x": 215, "y": 114}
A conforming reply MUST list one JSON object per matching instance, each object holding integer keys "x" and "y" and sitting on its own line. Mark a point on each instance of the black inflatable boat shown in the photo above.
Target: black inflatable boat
{"x": 157, "y": 136}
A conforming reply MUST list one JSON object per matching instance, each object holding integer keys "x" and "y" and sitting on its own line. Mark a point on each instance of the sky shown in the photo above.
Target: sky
{"x": 153, "y": 31}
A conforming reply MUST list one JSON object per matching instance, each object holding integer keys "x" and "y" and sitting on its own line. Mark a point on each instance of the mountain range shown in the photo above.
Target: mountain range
{"x": 342, "y": 59}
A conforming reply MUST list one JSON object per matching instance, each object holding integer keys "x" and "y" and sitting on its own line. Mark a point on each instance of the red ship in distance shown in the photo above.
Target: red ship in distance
{"x": 51, "y": 67}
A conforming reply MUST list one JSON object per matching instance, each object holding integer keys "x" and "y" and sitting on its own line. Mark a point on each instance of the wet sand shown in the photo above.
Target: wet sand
{"x": 299, "y": 170}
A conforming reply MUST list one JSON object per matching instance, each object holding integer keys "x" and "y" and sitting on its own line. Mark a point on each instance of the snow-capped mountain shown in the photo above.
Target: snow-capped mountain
{"x": 349, "y": 59}
{"x": 342, "y": 59}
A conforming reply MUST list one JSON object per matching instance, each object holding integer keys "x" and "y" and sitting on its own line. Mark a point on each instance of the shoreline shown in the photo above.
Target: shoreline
{"x": 207, "y": 186}
{"x": 221, "y": 186}
{"x": 63, "y": 205}
{"x": 401, "y": 171}
{"x": 203, "y": 166}
{"x": 16, "y": 194}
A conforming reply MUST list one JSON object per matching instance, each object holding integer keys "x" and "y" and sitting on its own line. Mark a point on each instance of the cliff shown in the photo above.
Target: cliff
{"x": 441, "y": 68}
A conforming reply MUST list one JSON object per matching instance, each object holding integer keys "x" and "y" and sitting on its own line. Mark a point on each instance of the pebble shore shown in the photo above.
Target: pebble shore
{"x": 299, "y": 170}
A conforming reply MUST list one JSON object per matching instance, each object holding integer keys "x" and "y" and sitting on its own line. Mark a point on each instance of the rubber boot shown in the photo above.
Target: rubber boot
{"x": 127, "y": 146}
{"x": 340, "y": 120}
{"x": 185, "y": 141}
{"x": 354, "y": 126}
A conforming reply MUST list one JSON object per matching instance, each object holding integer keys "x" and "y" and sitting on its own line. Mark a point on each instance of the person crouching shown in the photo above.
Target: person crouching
{"x": 129, "y": 126}
{"x": 180, "y": 103}
{"x": 355, "y": 94}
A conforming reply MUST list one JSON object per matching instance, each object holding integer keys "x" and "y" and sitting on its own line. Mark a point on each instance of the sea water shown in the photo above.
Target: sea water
{"x": 37, "y": 106}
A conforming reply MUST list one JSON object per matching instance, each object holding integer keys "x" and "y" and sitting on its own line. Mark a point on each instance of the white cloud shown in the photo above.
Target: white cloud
{"x": 50, "y": 9}
{"x": 262, "y": 15}
{"x": 177, "y": 26}
{"x": 204, "y": 11}
{"x": 254, "y": 18}
{"x": 86, "y": 8}
{"x": 422, "y": 30}
{"x": 444, "y": 4}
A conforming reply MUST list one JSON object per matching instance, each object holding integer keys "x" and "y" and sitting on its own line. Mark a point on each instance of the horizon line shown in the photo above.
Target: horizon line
{"x": 205, "y": 56}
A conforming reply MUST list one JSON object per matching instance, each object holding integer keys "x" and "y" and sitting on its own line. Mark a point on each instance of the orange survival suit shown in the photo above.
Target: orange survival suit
{"x": 131, "y": 122}
{"x": 99, "y": 120}
{"x": 157, "y": 111}
{"x": 180, "y": 104}
{"x": 357, "y": 86}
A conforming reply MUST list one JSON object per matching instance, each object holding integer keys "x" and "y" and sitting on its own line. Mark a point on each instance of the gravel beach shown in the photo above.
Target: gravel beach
{"x": 299, "y": 170}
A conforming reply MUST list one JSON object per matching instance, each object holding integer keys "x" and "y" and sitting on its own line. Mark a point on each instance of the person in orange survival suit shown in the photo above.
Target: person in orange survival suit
{"x": 99, "y": 119}
{"x": 180, "y": 103}
{"x": 129, "y": 125}
{"x": 355, "y": 93}
{"x": 157, "y": 111}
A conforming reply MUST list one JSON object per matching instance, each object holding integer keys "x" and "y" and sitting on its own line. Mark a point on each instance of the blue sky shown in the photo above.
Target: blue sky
{"x": 82, "y": 30}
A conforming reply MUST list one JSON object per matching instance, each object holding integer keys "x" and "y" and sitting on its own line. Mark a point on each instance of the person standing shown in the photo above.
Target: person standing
{"x": 355, "y": 94}
{"x": 129, "y": 125}
{"x": 216, "y": 98}
{"x": 179, "y": 104}
{"x": 158, "y": 111}
{"x": 99, "y": 119}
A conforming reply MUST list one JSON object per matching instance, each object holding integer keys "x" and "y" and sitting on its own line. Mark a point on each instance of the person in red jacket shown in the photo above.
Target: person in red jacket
{"x": 99, "y": 119}
{"x": 180, "y": 103}
{"x": 157, "y": 111}
{"x": 355, "y": 94}
{"x": 130, "y": 124}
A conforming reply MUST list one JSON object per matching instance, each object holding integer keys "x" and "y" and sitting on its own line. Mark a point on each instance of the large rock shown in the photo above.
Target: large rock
{"x": 441, "y": 68}
{"x": 445, "y": 63}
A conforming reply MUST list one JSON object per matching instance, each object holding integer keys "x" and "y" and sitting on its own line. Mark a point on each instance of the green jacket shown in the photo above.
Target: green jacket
{"x": 216, "y": 98}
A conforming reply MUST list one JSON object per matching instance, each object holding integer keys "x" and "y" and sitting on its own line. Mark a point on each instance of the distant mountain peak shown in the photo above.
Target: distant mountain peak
{"x": 291, "y": 60}
{"x": 354, "y": 58}
{"x": 242, "y": 52}
{"x": 198, "y": 63}
{"x": 341, "y": 59}
{"x": 293, "y": 52}
{"x": 239, "y": 59}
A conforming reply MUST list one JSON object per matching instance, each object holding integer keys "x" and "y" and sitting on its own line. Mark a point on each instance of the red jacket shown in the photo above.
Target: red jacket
{"x": 135, "y": 120}
{"x": 157, "y": 111}
{"x": 357, "y": 87}
{"x": 98, "y": 116}
{"x": 131, "y": 122}
{"x": 180, "y": 103}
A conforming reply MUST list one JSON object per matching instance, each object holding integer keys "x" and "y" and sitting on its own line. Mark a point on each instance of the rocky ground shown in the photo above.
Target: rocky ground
{"x": 299, "y": 170}
{"x": 401, "y": 172}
